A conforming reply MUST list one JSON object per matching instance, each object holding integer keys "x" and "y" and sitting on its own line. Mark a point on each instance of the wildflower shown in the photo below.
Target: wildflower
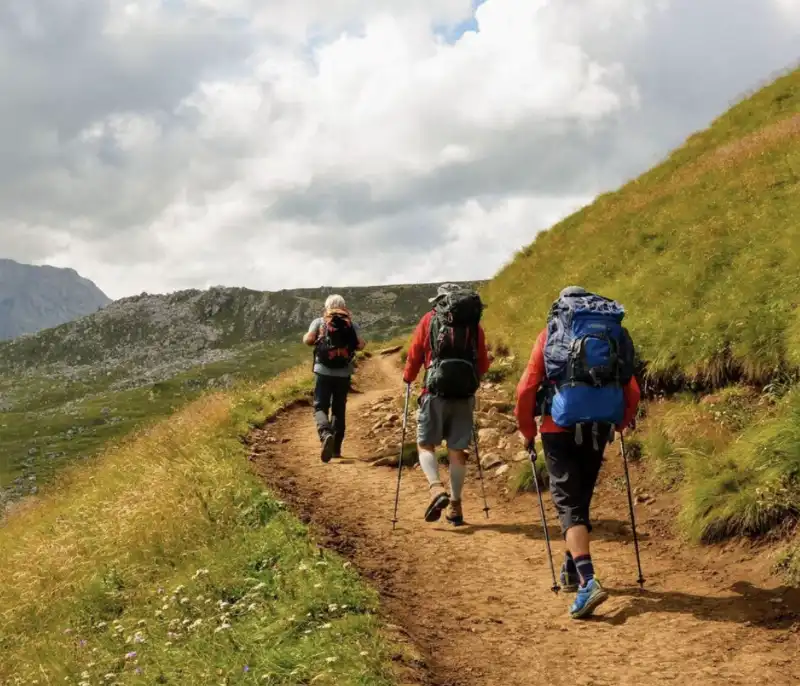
{"x": 246, "y": 669}
{"x": 199, "y": 573}
{"x": 251, "y": 607}
{"x": 222, "y": 627}
{"x": 184, "y": 601}
{"x": 101, "y": 625}
{"x": 331, "y": 659}
{"x": 332, "y": 608}
{"x": 138, "y": 670}
{"x": 82, "y": 643}
{"x": 109, "y": 676}
{"x": 363, "y": 653}
{"x": 303, "y": 567}
{"x": 179, "y": 589}
{"x": 141, "y": 622}
{"x": 326, "y": 626}
{"x": 260, "y": 586}
{"x": 131, "y": 655}
{"x": 199, "y": 599}
{"x": 165, "y": 607}
{"x": 223, "y": 604}
{"x": 160, "y": 591}
{"x": 138, "y": 638}
{"x": 159, "y": 613}
{"x": 195, "y": 624}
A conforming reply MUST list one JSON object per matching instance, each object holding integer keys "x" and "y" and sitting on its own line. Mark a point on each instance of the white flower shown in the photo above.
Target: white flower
{"x": 331, "y": 659}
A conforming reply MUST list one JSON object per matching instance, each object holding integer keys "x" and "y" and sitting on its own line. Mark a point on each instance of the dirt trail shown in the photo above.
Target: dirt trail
{"x": 476, "y": 599}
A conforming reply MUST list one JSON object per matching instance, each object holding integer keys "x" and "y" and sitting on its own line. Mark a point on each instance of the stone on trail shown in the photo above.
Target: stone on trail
{"x": 491, "y": 460}
{"x": 391, "y": 350}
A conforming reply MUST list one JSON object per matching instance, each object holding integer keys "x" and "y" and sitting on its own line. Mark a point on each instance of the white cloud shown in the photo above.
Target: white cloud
{"x": 284, "y": 143}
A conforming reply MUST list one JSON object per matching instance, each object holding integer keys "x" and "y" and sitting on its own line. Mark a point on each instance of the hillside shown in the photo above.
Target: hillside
{"x": 704, "y": 252}
{"x": 35, "y": 298}
{"x": 67, "y": 391}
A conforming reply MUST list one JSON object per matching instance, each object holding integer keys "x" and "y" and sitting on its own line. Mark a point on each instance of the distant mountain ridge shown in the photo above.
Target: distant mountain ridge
{"x": 157, "y": 335}
{"x": 34, "y": 298}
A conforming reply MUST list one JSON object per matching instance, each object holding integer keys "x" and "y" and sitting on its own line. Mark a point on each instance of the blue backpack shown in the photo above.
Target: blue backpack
{"x": 589, "y": 358}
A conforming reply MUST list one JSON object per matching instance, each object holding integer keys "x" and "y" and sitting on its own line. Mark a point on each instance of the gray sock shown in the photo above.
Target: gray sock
{"x": 458, "y": 473}
{"x": 427, "y": 460}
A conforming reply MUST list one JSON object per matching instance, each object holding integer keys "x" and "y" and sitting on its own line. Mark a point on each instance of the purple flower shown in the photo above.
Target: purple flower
{"x": 138, "y": 670}
{"x": 130, "y": 655}
{"x": 246, "y": 668}
{"x": 82, "y": 643}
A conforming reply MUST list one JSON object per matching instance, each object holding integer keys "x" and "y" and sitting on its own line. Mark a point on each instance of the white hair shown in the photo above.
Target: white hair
{"x": 335, "y": 302}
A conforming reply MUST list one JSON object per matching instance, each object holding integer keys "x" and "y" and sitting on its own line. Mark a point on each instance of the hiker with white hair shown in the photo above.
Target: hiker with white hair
{"x": 335, "y": 339}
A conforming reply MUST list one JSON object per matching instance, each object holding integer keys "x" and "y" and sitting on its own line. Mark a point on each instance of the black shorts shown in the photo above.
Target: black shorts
{"x": 573, "y": 472}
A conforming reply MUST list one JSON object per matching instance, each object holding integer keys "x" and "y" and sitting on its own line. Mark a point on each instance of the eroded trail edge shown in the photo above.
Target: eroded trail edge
{"x": 476, "y": 600}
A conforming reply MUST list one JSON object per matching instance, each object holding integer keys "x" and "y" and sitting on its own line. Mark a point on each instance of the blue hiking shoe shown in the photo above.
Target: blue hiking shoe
{"x": 589, "y": 597}
{"x": 569, "y": 580}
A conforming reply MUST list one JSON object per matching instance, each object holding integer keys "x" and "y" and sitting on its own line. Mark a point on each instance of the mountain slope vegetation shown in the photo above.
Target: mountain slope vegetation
{"x": 704, "y": 252}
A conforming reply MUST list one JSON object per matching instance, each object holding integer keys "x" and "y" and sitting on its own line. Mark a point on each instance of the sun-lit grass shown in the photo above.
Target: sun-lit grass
{"x": 704, "y": 252}
{"x": 166, "y": 562}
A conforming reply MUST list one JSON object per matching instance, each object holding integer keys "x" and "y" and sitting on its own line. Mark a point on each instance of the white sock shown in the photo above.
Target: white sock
{"x": 458, "y": 473}
{"x": 427, "y": 460}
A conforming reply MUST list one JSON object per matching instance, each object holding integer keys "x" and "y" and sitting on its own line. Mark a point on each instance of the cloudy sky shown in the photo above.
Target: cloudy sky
{"x": 164, "y": 144}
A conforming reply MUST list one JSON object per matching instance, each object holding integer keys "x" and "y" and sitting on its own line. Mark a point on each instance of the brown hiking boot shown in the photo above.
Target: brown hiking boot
{"x": 455, "y": 515}
{"x": 439, "y": 501}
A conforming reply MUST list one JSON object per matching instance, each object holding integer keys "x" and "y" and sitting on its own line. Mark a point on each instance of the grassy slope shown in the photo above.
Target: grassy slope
{"x": 34, "y": 434}
{"x": 165, "y": 562}
{"x": 704, "y": 251}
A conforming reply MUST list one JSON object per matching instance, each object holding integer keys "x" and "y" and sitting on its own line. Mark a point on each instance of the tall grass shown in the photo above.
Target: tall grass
{"x": 753, "y": 485}
{"x": 166, "y": 562}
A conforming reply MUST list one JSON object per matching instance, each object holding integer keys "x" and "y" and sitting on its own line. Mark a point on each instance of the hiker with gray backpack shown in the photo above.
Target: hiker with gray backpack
{"x": 580, "y": 381}
{"x": 450, "y": 344}
{"x": 335, "y": 339}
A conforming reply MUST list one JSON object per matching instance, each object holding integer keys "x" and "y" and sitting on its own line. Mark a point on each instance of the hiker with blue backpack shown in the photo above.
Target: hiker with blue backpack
{"x": 335, "y": 339}
{"x": 580, "y": 381}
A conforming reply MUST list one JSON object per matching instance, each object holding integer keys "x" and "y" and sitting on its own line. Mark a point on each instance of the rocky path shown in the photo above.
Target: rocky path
{"x": 476, "y": 600}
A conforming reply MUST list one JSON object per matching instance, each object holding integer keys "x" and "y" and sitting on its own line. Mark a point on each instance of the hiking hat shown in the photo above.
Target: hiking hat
{"x": 572, "y": 290}
{"x": 443, "y": 290}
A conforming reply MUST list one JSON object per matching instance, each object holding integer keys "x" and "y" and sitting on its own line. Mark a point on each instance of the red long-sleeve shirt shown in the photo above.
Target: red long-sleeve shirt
{"x": 419, "y": 352}
{"x": 531, "y": 380}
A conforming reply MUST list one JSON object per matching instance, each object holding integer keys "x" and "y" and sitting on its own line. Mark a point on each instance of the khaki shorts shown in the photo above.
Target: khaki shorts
{"x": 442, "y": 419}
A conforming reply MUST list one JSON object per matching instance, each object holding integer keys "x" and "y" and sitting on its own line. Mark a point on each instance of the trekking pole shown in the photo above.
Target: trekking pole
{"x": 640, "y": 580}
{"x": 402, "y": 452}
{"x": 532, "y": 455}
{"x": 480, "y": 471}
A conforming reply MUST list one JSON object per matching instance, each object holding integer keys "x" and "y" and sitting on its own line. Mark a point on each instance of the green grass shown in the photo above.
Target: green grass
{"x": 704, "y": 252}
{"x": 53, "y": 421}
{"x": 166, "y": 562}
{"x": 751, "y": 486}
